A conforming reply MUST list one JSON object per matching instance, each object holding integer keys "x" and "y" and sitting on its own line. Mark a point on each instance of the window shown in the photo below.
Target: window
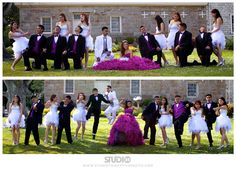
{"x": 192, "y": 90}
{"x": 69, "y": 86}
{"x": 135, "y": 87}
{"x": 115, "y": 23}
{"x": 232, "y": 23}
{"x": 47, "y": 23}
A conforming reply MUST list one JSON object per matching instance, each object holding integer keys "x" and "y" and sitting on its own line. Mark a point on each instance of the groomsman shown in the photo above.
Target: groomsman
{"x": 210, "y": 116}
{"x": 34, "y": 118}
{"x": 110, "y": 112}
{"x": 37, "y": 43}
{"x": 183, "y": 44}
{"x": 103, "y": 46}
{"x": 94, "y": 104}
{"x": 75, "y": 49}
{"x": 65, "y": 109}
{"x": 204, "y": 46}
{"x": 150, "y": 116}
{"x": 56, "y": 48}
{"x": 149, "y": 46}
{"x": 181, "y": 112}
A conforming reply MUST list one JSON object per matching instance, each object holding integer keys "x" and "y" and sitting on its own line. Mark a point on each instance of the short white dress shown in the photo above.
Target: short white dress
{"x": 161, "y": 39}
{"x": 165, "y": 120}
{"x": 14, "y": 117}
{"x": 88, "y": 38}
{"x": 173, "y": 29}
{"x": 197, "y": 123}
{"x": 64, "y": 31}
{"x": 52, "y": 116}
{"x": 80, "y": 113}
{"x": 20, "y": 44}
{"x": 223, "y": 121}
{"x": 218, "y": 38}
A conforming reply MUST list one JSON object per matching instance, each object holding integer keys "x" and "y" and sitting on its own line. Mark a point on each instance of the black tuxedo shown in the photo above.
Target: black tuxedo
{"x": 150, "y": 115}
{"x": 210, "y": 117}
{"x": 95, "y": 108}
{"x": 34, "y": 118}
{"x": 201, "y": 44}
{"x": 78, "y": 54}
{"x": 57, "y": 56}
{"x": 35, "y": 50}
{"x": 64, "y": 121}
{"x": 148, "y": 48}
{"x": 186, "y": 46}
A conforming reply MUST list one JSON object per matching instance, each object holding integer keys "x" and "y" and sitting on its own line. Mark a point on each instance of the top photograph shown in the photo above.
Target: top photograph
{"x": 84, "y": 39}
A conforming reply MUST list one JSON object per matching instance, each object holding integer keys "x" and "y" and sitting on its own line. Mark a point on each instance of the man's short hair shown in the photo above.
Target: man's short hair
{"x": 105, "y": 27}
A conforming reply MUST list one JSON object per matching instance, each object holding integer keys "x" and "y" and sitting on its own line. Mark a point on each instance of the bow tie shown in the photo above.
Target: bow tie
{"x": 181, "y": 33}
{"x": 55, "y": 35}
{"x": 39, "y": 35}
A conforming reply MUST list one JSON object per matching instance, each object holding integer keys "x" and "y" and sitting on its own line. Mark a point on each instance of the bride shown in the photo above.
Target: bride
{"x": 127, "y": 61}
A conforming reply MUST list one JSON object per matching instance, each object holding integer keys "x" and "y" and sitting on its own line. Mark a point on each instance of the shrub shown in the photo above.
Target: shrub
{"x": 230, "y": 43}
{"x": 9, "y": 50}
{"x": 230, "y": 110}
{"x": 146, "y": 102}
{"x": 130, "y": 40}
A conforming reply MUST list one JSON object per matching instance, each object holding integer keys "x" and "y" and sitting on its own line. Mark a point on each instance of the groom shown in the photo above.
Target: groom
{"x": 94, "y": 104}
{"x": 149, "y": 46}
{"x": 103, "y": 46}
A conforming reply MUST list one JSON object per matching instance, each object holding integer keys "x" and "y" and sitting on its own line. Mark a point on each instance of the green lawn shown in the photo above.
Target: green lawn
{"x": 99, "y": 146}
{"x": 170, "y": 70}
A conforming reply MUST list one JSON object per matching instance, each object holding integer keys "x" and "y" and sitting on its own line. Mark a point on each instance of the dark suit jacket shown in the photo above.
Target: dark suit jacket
{"x": 96, "y": 104}
{"x": 150, "y": 112}
{"x": 61, "y": 44}
{"x": 210, "y": 113}
{"x": 80, "y": 50}
{"x": 37, "y": 115}
{"x": 64, "y": 112}
{"x": 201, "y": 44}
{"x": 42, "y": 43}
{"x": 143, "y": 46}
{"x": 186, "y": 45}
{"x": 187, "y": 111}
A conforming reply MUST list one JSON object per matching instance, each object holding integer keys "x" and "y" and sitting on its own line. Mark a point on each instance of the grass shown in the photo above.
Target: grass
{"x": 170, "y": 70}
{"x": 99, "y": 146}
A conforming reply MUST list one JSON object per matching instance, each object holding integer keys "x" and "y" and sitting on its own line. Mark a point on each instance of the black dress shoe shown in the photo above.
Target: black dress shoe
{"x": 93, "y": 137}
{"x": 145, "y": 138}
{"x": 28, "y": 69}
{"x": 45, "y": 69}
{"x": 151, "y": 144}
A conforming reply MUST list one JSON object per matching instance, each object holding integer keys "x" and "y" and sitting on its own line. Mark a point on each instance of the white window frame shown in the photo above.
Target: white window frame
{"x": 65, "y": 87}
{"x": 231, "y": 24}
{"x": 140, "y": 92}
{"x": 41, "y": 21}
{"x": 197, "y": 89}
{"x": 120, "y": 24}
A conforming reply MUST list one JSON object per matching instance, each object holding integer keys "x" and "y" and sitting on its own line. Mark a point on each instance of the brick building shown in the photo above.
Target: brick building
{"x": 188, "y": 89}
{"x": 124, "y": 19}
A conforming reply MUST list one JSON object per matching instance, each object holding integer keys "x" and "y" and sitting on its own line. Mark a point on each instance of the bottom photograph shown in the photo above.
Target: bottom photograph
{"x": 118, "y": 117}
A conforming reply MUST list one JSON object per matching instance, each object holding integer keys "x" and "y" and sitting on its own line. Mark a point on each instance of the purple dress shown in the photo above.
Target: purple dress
{"x": 126, "y": 131}
{"x": 127, "y": 63}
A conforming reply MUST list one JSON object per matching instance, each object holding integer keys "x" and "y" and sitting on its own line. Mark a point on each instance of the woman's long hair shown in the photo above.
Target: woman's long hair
{"x": 126, "y": 103}
{"x": 223, "y": 99}
{"x": 122, "y": 49}
{"x": 177, "y": 13}
{"x": 53, "y": 96}
{"x": 217, "y": 14}
{"x": 80, "y": 94}
{"x": 166, "y": 104}
{"x": 85, "y": 18}
{"x": 11, "y": 25}
{"x": 159, "y": 20}
{"x": 64, "y": 16}
{"x": 19, "y": 100}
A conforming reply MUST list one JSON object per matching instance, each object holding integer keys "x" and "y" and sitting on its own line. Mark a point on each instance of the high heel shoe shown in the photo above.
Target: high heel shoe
{"x": 227, "y": 145}
{"x": 220, "y": 147}
{"x": 198, "y": 147}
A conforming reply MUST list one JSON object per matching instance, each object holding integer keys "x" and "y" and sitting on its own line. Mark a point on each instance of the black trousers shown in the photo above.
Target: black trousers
{"x": 183, "y": 57}
{"x": 31, "y": 125}
{"x": 209, "y": 136}
{"x": 153, "y": 53}
{"x": 179, "y": 128}
{"x": 37, "y": 58}
{"x": 76, "y": 60}
{"x": 205, "y": 57}
{"x": 56, "y": 57}
{"x": 61, "y": 126}
{"x": 146, "y": 127}
{"x": 96, "y": 113}
{"x": 152, "y": 125}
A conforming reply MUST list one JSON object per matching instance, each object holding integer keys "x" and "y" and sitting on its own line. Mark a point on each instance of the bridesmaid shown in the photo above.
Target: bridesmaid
{"x": 223, "y": 123}
{"x": 16, "y": 118}
{"x": 65, "y": 26}
{"x": 160, "y": 36}
{"x": 86, "y": 26}
{"x": 51, "y": 120}
{"x": 173, "y": 29}
{"x": 218, "y": 37}
{"x": 20, "y": 42}
{"x": 80, "y": 115}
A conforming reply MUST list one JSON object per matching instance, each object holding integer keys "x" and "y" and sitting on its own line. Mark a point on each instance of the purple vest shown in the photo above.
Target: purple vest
{"x": 179, "y": 110}
{"x": 36, "y": 46}
{"x": 75, "y": 46}
{"x": 54, "y": 47}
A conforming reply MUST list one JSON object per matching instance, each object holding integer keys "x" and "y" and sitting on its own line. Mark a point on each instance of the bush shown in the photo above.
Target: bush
{"x": 130, "y": 40}
{"x": 9, "y": 50}
{"x": 115, "y": 47}
{"x": 146, "y": 102}
{"x": 229, "y": 43}
{"x": 230, "y": 110}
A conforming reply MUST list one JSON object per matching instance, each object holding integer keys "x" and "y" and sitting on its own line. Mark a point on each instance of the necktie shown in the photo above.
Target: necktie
{"x": 105, "y": 43}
